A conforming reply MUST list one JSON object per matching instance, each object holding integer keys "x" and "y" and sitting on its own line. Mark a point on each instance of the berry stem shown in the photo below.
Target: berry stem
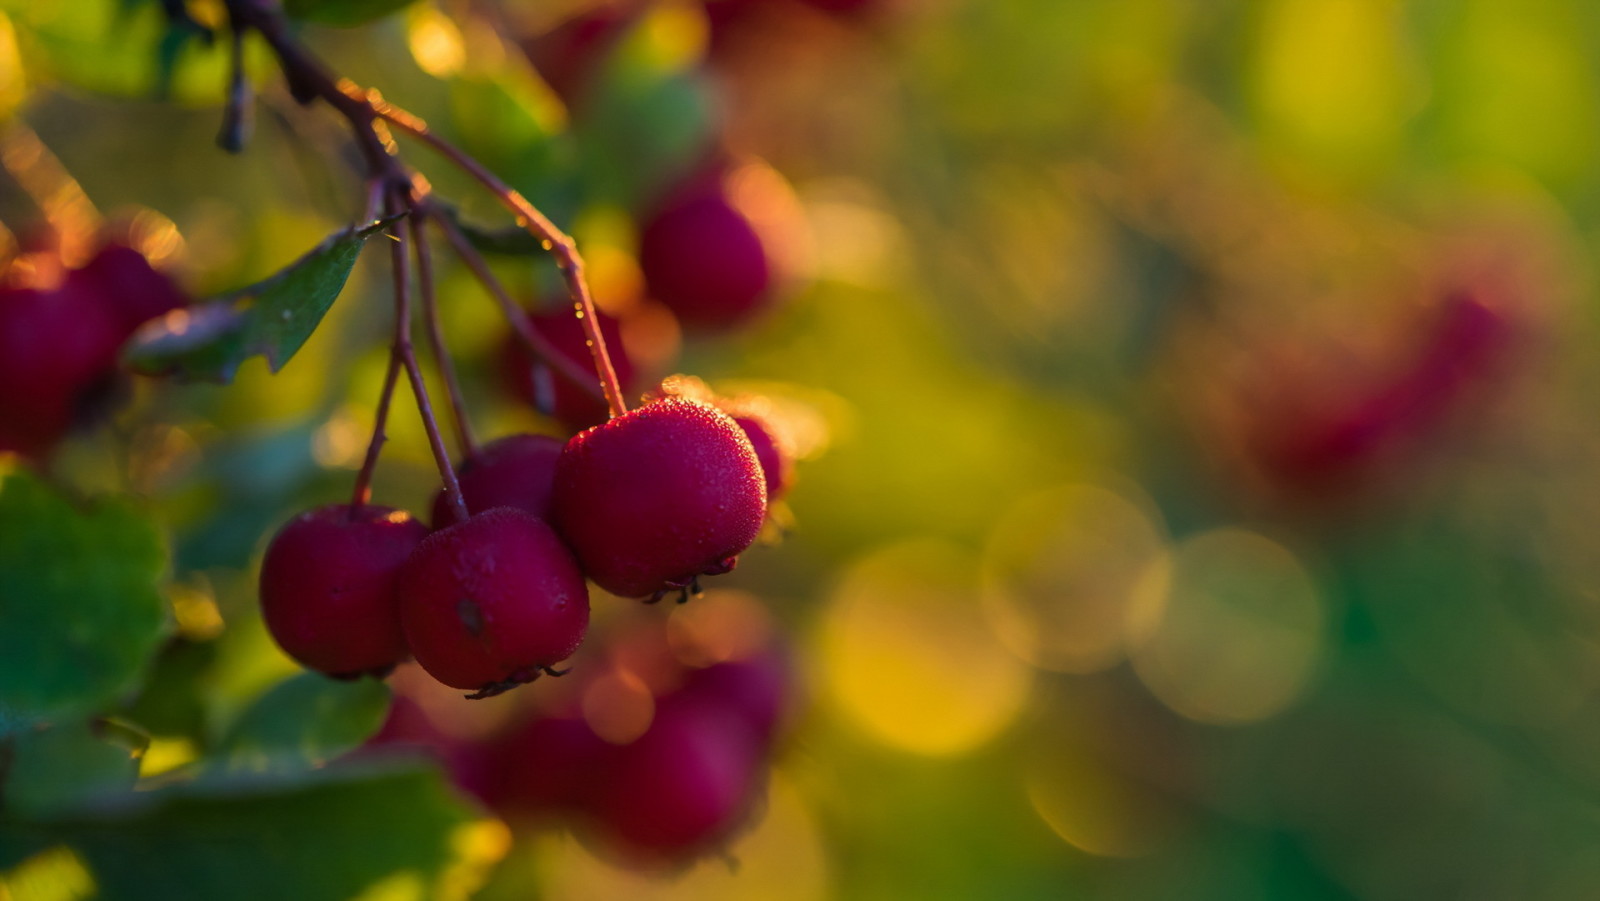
{"x": 363, "y": 489}
{"x": 536, "y": 344}
{"x": 527, "y": 217}
{"x": 400, "y": 261}
{"x": 430, "y": 316}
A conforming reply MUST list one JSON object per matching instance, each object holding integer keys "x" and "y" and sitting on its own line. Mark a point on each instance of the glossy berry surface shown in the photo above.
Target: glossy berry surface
{"x": 57, "y": 351}
{"x": 656, "y": 497}
{"x": 705, "y": 260}
{"x": 492, "y": 602}
{"x": 552, "y": 393}
{"x": 328, "y": 587}
{"x": 514, "y": 471}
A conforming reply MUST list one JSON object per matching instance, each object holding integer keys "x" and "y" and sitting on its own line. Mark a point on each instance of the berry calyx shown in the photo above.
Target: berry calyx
{"x": 514, "y": 471}
{"x": 493, "y": 602}
{"x": 328, "y": 587}
{"x": 659, "y": 496}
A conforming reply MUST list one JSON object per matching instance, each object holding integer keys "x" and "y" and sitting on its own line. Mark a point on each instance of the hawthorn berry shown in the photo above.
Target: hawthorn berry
{"x": 683, "y": 787}
{"x": 328, "y": 587}
{"x": 57, "y": 358}
{"x": 552, "y": 393}
{"x": 777, "y": 462}
{"x": 706, "y": 260}
{"x": 128, "y": 286}
{"x": 546, "y": 766}
{"x": 759, "y": 689}
{"x": 492, "y": 602}
{"x": 659, "y": 496}
{"x": 514, "y": 471}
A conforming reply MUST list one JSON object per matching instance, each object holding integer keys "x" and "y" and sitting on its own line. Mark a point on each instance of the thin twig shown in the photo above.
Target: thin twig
{"x": 363, "y": 489}
{"x": 430, "y": 317}
{"x": 536, "y": 344}
{"x": 527, "y": 217}
{"x": 401, "y": 262}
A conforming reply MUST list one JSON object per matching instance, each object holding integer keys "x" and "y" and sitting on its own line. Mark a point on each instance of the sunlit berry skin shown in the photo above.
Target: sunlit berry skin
{"x": 130, "y": 288}
{"x": 328, "y": 587}
{"x": 492, "y": 602}
{"x": 514, "y": 471}
{"x": 552, "y": 393}
{"x": 777, "y": 466}
{"x": 705, "y": 260}
{"x": 57, "y": 350}
{"x": 659, "y": 496}
{"x": 683, "y": 787}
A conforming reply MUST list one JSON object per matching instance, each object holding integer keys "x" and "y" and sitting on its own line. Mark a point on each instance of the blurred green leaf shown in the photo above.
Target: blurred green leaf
{"x": 342, "y": 12}
{"x": 59, "y": 767}
{"x": 306, "y": 719}
{"x": 272, "y": 318}
{"x": 323, "y": 834}
{"x": 643, "y": 129}
{"x": 80, "y": 613}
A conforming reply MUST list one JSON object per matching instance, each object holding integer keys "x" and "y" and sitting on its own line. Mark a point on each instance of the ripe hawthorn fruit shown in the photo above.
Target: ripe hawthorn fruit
{"x": 58, "y": 352}
{"x": 777, "y": 463}
{"x": 545, "y": 767}
{"x": 758, "y": 688}
{"x": 683, "y": 787}
{"x": 513, "y": 471}
{"x": 492, "y": 602}
{"x": 659, "y": 496}
{"x": 706, "y": 260}
{"x": 328, "y": 587}
{"x": 552, "y": 393}
{"x": 128, "y": 286}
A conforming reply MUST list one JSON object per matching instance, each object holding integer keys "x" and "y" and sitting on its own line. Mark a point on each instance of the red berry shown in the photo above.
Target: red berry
{"x": 568, "y": 55}
{"x": 490, "y": 603}
{"x": 683, "y": 787}
{"x": 704, "y": 259}
{"x": 546, "y": 766}
{"x": 514, "y": 471}
{"x": 126, "y": 284}
{"x": 328, "y": 587}
{"x": 757, "y": 689}
{"x": 777, "y": 464}
{"x": 552, "y": 393}
{"x": 665, "y": 493}
{"x": 57, "y": 352}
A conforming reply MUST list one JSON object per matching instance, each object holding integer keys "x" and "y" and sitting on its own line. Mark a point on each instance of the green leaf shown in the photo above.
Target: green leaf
{"x": 508, "y": 241}
{"x": 344, "y": 13}
{"x": 80, "y": 613}
{"x": 324, "y": 834}
{"x": 272, "y": 318}
{"x": 305, "y": 720}
{"x": 59, "y": 767}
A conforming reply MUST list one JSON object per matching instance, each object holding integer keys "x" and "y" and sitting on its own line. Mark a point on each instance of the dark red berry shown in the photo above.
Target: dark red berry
{"x": 126, "y": 283}
{"x": 57, "y": 354}
{"x": 705, "y": 259}
{"x": 684, "y": 787}
{"x": 758, "y": 689}
{"x": 514, "y": 471}
{"x": 777, "y": 463}
{"x": 654, "y": 498}
{"x": 546, "y": 766}
{"x": 492, "y": 602}
{"x": 407, "y": 729}
{"x": 552, "y": 393}
{"x": 568, "y": 55}
{"x": 328, "y": 587}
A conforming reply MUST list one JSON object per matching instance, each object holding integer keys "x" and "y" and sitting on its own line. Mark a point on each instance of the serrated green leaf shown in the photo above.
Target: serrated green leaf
{"x": 80, "y": 613}
{"x": 272, "y": 318}
{"x": 305, "y": 720}
{"x": 59, "y": 767}
{"x": 343, "y": 13}
{"x": 322, "y": 834}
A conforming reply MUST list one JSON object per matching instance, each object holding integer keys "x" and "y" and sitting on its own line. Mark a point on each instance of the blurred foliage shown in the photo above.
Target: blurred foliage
{"x": 1068, "y": 624}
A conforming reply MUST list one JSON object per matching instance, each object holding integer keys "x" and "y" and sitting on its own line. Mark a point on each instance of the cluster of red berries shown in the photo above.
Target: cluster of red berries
{"x": 643, "y": 505}
{"x": 658, "y": 752}
{"x": 61, "y": 329}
